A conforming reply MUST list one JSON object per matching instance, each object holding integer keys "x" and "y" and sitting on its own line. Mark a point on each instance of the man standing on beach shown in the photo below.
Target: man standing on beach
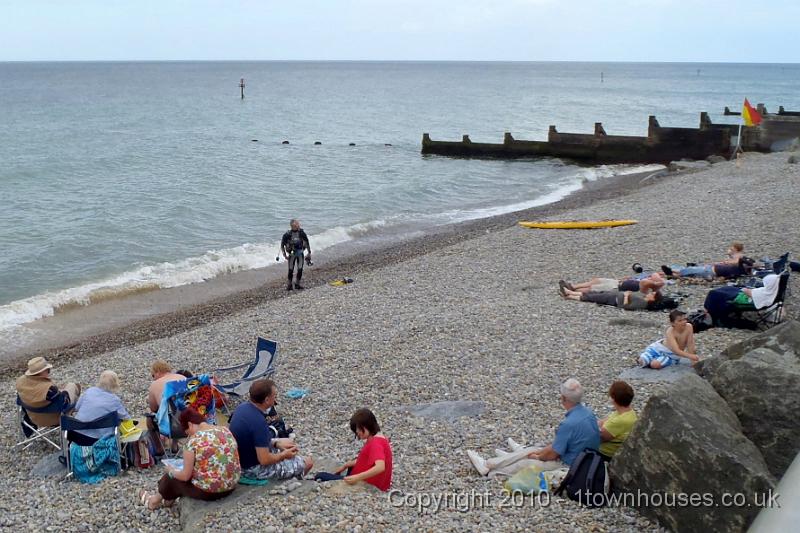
{"x": 293, "y": 243}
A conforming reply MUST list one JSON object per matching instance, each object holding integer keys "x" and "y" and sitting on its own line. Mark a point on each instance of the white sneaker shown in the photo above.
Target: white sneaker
{"x": 478, "y": 462}
{"x": 514, "y": 445}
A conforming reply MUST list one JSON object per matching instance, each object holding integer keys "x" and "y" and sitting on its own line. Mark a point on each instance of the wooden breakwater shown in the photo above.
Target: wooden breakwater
{"x": 661, "y": 145}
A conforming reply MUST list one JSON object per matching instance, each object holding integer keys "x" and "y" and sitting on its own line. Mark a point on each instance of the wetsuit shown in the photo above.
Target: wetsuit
{"x": 293, "y": 244}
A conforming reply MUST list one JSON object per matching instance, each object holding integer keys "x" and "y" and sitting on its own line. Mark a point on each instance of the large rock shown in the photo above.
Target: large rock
{"x": 650, "y": 375}
{"x": 193, "y": 513}
{"x": 763, "y": 390}
{"x": 687, "y": 442}
{"x": 782, "y": 339}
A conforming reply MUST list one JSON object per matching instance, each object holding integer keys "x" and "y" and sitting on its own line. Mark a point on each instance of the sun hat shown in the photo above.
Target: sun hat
{"x": 37, "y": 365}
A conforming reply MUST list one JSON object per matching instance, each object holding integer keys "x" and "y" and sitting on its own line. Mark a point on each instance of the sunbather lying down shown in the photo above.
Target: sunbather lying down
{"x": 651, "y": 283}
{"x": 726, "y": 270}
{"x": 628, "y": 300}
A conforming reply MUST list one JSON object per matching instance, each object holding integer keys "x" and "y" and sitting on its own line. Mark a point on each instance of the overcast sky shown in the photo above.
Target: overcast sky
{"x": 517, "y": 30}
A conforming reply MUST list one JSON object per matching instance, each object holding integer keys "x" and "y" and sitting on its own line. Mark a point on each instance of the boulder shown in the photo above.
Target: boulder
{"x": 49, "y": 466}
{"x": 649, "y": 375}
{"x": 781, "y": 339}
{"x": 763, "y": 390}
{"x": 193, "y": 512}
{"x": 447, "y": 410}
{"x": 688, "y": 447}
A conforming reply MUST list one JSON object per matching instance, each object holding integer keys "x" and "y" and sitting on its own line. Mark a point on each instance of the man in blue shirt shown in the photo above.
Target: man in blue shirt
{"x": 578, "y": 431}
{"x": 261, "y": 454}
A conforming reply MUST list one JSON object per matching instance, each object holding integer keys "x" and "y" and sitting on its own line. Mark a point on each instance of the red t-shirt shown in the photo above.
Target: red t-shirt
{"x": 375, "y": 449}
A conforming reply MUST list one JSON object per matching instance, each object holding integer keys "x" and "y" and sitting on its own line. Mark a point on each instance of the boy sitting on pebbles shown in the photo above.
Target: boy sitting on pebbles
{"x": 677, "y": 343}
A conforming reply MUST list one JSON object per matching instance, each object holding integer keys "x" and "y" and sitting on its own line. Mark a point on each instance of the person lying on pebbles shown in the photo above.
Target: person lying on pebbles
{"x": 734, "y": 266}
{"x": 628, "y": 300}
{"x": 678, "y": 342}
{"x": 654, "y": 282}
{"x": 374, "y": 462}
{"x": 579, "y": 430}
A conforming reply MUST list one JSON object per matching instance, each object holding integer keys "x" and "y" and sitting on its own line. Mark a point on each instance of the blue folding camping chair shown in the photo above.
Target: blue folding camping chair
{"x": 31, "y": 433}
{"x": 69, "y": 424}
{"x": 262, "y": 366}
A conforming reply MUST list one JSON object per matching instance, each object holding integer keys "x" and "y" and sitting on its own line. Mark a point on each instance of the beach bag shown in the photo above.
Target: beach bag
{"x": 700, "y": 320}
{"x": 140, "y": 454}
{"x": 587, "y": 481}
{"x": 529, "y": 480}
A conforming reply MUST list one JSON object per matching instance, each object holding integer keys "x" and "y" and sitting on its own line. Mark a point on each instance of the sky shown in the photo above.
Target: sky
{"x": 468, "y": 30}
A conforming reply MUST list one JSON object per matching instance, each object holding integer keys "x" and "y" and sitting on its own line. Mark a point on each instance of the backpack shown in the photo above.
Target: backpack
{"x": 700, "y": 320}
{"x": 587, "y": 481}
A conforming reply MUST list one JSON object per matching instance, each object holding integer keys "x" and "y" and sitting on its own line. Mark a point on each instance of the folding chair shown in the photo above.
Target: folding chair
{"x": 31, "y": 433}
{"x": 68, "y": 423}
{"x": 770, "y": 315}
{"x": 263, "y": 366}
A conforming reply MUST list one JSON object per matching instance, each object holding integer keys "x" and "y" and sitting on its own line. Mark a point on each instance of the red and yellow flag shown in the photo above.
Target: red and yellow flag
{"x": 750, "y": 115}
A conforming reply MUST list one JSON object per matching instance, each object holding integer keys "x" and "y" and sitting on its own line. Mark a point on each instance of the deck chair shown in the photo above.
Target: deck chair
{"x": 262, "y": 366}
{"x": 30, "y": 433}
{"x": 773, "y": 267}
{"x": 68, "y": 423}
{"x": 771, "y": 315}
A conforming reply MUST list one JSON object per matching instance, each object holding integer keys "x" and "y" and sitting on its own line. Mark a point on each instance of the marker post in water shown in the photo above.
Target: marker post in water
{"x": 241, "y": 87}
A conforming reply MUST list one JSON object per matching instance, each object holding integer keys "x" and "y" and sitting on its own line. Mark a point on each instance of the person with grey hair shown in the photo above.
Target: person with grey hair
{"x": 578, "y": 431}
{"x": 293, "y": 244}
{"x": 96, "y": 402}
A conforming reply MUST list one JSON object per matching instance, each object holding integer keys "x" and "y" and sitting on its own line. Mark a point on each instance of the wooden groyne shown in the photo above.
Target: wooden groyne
{"x": 661, "y": 145}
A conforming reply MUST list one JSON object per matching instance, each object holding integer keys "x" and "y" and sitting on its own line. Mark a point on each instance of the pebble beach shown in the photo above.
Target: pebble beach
{"x": 469, "y": 314}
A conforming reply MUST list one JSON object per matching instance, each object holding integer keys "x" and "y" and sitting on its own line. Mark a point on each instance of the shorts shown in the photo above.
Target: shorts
{"x": 629, "y": 285}
{"x": 659, "y": 353}
{"x": 286, "y": 469}
{"x": 605, "y": 284}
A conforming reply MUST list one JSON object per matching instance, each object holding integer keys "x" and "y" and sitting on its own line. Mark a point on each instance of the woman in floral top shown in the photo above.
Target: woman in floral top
{"x": 210, "y": 465}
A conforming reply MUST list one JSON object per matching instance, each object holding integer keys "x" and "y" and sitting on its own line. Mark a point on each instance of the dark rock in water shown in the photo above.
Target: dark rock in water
{"x": 49, "y": 467}
{"x": 714, "y": 159}
{"x": 387, "y": 144}
{"x": 763, "y": 389}
{"x": 449, "y": 411}
{"x": 285, "y": 142}
{"x": 254, "y": 140}
{"x": 351, "y": 144}
{"x": 317, "y": 143}
{"x": 688, "y": 441}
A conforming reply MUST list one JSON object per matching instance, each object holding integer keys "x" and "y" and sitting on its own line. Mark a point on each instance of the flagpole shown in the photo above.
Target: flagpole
{"x": 738, "y": 136}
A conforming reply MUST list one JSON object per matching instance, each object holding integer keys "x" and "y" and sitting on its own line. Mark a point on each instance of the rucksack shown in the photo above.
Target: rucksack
{"x": 587, "y": 481}
{"x": 700, "y": 320}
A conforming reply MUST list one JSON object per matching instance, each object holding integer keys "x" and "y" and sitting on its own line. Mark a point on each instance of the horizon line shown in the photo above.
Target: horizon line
{"x": 693, "y": 62}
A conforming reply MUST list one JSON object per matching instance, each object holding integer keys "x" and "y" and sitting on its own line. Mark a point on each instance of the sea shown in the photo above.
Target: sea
{"x": 123, "y": 177}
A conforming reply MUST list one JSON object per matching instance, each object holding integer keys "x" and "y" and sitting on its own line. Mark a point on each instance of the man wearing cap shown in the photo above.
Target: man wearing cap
{"x": 37, "y": 390}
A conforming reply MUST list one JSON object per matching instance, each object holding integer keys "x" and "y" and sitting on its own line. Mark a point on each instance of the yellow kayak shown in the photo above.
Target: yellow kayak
{"x": 578, "y": 224}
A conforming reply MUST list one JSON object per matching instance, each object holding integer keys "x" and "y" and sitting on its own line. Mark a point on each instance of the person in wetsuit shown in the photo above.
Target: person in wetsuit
{"x": 293, "y": 243}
